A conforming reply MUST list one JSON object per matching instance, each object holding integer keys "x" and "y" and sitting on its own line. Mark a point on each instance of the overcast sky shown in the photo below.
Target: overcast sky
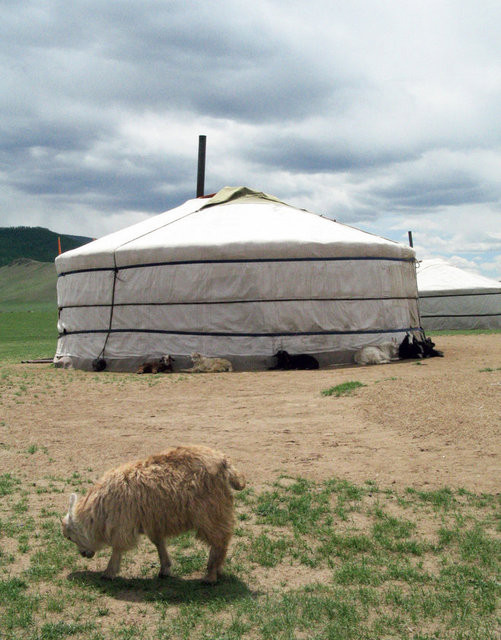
{"x": 383, "y": 114}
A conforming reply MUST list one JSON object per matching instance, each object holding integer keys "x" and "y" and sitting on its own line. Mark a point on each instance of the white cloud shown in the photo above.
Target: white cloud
{"x": 381, "y": 115}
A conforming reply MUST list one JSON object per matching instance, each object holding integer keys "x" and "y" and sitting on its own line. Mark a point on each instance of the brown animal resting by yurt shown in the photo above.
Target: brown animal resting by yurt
{"x": 241, "y": 276}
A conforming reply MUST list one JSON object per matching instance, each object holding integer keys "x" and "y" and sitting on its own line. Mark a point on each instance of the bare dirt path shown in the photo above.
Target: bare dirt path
{"x": 427, "y": 424}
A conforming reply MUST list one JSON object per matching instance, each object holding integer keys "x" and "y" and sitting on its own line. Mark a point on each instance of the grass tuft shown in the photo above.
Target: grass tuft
{"x": 8, "y": 484}
{"x": 343, "y": 389}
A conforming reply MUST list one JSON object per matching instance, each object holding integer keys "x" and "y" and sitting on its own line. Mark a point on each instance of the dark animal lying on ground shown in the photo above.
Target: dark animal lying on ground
{"x": 411, "y": 348}
{"x": 430, "y": 351}
{"x": 163, "y": 365}
{"x": 287, "y": 362}
{"x": 99, "y": 364}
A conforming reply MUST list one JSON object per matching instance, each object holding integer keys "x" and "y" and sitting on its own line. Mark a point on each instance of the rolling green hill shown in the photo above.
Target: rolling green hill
{"x": 28, "y": 285}
{"x": 27, "y": 273}
{"x": 35, "y": 243}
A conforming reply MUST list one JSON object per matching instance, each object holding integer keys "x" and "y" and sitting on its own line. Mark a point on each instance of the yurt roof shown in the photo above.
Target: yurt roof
{"x": 237, "y": 223}
{"x": 437, "y": 277}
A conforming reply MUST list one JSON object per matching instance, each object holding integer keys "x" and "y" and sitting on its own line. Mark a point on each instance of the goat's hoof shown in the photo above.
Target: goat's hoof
{"x": 164, "y": 574}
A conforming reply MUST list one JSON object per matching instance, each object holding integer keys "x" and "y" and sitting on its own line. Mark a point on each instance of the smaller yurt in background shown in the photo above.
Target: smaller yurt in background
{"x": 452, "y": 298}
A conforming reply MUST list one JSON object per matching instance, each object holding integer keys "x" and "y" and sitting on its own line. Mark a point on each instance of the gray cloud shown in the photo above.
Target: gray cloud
{"x": 159, "y": 56}
{"x": 323, "y": 156}
{"x": 362, "y": 113}
{"x": 429, "y": 193}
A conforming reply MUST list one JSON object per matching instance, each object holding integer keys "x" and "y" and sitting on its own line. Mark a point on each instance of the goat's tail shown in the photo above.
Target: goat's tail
{"x": 235, "y": 478}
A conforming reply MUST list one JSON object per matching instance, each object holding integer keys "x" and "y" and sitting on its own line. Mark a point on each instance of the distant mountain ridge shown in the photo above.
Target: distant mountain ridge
{"x": 34, "y": 243}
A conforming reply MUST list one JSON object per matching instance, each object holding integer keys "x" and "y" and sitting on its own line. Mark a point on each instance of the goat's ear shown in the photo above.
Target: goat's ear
{"x": 73, "y": 501}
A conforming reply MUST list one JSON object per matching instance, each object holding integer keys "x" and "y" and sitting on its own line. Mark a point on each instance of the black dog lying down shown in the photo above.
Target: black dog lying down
{"x": 411, "y": 348}
{"x": 287, "y": 362}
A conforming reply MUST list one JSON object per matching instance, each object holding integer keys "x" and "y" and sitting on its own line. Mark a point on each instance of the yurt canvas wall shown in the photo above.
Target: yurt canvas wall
{"x": 452, "y": 298}
{"x": 240, "y": 275}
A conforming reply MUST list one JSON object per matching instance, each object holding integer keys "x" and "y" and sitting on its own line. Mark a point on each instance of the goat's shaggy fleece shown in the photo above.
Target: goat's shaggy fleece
{"x": 181, "y": 489}
{"x": 204, "y": 364}
{"x": 383, "y": 353}
{"x": 63, "y": 362}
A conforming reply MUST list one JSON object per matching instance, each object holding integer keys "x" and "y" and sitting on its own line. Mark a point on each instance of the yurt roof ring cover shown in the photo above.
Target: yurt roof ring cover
{"x": 240, "y": 275}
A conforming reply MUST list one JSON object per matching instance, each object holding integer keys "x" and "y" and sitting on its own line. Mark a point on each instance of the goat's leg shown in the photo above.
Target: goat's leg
{"x": 217, "y": 555}
{"x": 165, "y": 562}
{"x": 113, "y": 565}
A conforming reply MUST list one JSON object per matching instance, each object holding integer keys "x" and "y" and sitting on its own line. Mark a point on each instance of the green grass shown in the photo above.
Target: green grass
{"x": 8, "y": 483}
{"x": 462, "y": 332}
{"x": 28, "y": 311}
{"x": 343, "y": 389}
{"x": 412, "y": 565}
{"x": 26, "y": 336}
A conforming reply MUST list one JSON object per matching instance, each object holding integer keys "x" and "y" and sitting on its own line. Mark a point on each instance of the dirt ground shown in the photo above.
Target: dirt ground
{"x": 430, "y": 423}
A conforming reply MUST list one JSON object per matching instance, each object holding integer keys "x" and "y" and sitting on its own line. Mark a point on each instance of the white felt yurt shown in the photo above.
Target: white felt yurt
{"x": 240, "y": 275}
{"x": 452, "y": 298}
